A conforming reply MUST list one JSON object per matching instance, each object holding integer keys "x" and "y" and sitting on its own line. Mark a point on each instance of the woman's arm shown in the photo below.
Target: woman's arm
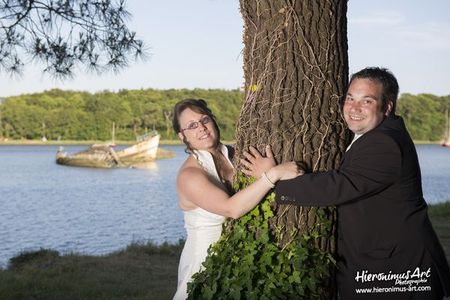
{"x": 194, "y": 184}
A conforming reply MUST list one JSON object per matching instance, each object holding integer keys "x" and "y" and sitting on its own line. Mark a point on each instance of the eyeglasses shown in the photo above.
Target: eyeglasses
{"x": 194, "y": 125}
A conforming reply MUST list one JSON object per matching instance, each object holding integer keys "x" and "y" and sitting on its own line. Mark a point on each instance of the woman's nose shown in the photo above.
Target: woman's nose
{"x": 201, "y": 126}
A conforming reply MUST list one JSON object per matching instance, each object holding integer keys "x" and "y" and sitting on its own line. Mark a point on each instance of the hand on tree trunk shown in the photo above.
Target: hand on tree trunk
{"x": 256, "y": 165}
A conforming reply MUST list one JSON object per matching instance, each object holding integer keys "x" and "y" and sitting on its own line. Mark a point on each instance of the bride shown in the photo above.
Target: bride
{"x": 204, "y": 184}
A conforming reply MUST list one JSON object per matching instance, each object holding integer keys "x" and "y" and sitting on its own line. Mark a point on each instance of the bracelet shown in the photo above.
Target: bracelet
{"x": 266, "y": 178}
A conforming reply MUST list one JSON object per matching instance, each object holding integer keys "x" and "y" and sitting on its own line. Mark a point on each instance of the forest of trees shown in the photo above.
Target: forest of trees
{"x": 70, "y": 115}
{"x": 74, "y": 115}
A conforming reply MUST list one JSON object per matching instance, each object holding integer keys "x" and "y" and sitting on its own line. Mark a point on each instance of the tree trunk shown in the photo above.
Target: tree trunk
{"x": 296, "y": 70}
{"x": 295, "y": 64}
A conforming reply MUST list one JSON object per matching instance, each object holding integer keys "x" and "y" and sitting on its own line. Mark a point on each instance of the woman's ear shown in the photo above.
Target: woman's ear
{"x": 181, "y": 136}
{"x": 389, "y": 107}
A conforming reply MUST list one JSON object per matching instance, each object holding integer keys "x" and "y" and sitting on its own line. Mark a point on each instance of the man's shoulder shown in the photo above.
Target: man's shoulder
{"x": 379, "y": 133}
{"x": 378, "y": 138}
{"x": 391, "y": 128}
{"x": 392, "y": 124}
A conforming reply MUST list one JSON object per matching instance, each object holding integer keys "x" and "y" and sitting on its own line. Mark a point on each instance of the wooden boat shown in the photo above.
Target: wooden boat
{"x": 104, "y": 155}
{"x": 143, "y": 151}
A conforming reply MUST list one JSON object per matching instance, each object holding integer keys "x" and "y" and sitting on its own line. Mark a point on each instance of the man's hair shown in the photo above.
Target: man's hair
{"x": 386, "y": 79}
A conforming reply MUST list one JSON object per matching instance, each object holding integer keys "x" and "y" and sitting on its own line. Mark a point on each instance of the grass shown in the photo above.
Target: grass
{"x": 137, "y": 272}
{"x": 141, "y": 271}
{"x": 440, "y": 217}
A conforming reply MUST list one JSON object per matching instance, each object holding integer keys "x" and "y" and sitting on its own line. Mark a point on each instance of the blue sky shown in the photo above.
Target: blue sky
{"x": 198, "y": 44}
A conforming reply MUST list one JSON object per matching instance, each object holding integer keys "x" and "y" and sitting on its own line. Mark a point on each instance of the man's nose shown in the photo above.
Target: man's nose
{"x": 355, "y": 105}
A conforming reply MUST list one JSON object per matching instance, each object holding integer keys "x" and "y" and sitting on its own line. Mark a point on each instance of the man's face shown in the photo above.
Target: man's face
{"x": 362, "y": 106}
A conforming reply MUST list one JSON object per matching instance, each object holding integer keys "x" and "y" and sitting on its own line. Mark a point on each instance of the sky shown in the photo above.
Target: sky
{"x": 198, "y": 44}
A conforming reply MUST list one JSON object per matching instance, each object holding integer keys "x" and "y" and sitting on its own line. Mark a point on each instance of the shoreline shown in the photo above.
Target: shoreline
{"x": 89, "y": 142}
{"x": 162, "y": 142}
{"x": 71, "y": 142}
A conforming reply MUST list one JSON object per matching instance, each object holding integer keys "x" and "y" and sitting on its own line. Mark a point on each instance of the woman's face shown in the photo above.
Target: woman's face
{"x": 198, "y": 129}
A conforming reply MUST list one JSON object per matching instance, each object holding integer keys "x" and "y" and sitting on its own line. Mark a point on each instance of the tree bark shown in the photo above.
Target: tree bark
{"x": 296, "y": 70}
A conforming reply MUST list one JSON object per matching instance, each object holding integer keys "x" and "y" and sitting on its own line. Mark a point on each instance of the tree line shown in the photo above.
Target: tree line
{"x": 75, "y": 115}
{"x": 425, "y": 115}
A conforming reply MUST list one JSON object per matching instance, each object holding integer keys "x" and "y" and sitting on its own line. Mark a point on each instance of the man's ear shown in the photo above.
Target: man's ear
{"x": 389, "y": 107}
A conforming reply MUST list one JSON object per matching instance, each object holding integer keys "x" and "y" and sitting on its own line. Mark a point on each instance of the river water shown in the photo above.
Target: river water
{"x": 97, "y": 211}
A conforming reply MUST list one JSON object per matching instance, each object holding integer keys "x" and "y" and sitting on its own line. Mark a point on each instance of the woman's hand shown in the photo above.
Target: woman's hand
{"x": 255, "y": 164}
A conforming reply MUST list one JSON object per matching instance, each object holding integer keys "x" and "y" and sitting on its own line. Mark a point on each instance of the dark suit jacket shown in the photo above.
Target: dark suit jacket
{"x": 383, "y": 225}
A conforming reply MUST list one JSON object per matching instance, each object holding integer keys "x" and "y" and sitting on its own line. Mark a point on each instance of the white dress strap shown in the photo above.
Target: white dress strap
{"x": 206, "y": 160}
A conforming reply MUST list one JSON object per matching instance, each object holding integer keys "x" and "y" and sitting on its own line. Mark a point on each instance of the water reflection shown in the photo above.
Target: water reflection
{"x": 150, "y": 165}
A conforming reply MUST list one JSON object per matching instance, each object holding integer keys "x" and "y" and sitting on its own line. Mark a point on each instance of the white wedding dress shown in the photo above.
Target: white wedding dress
{"x": 203, "y": 228}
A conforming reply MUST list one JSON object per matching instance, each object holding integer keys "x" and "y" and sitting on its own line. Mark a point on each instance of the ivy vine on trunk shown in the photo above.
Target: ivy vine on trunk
{"x": 296, "y": 70}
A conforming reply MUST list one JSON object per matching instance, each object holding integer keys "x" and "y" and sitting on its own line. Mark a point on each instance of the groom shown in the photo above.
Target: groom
{"x": 386, "y": 245}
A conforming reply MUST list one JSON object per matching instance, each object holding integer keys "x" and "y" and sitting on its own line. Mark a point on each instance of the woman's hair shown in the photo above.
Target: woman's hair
{"x": 199, "y": 106}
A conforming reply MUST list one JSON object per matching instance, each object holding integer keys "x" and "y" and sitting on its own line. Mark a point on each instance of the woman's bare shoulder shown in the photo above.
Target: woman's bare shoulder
{"x": 190, "y": 170}
{"x": 190, "y": 165}
{"x": 190, "y": 177}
